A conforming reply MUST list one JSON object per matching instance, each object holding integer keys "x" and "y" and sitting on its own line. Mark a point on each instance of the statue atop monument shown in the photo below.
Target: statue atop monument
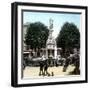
{"x": 50, "y": 23}
{"x": 51, "y": 47}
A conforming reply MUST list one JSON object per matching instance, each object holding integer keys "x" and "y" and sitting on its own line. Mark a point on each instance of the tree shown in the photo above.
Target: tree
{"x": 69, "y": 36}
{"x": 36, "y": 36}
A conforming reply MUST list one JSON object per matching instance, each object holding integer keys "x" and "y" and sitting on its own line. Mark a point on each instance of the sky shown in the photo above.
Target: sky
{"x": 58, "y": 19}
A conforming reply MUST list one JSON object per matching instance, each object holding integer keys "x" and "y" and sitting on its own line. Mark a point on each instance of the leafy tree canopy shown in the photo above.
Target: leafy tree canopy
{"x": 36, "y": 36}
{"x": 69, "y": 36}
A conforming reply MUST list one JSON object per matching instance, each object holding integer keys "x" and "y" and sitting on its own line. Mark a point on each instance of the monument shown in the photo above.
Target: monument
{"x": 51, "y": 47}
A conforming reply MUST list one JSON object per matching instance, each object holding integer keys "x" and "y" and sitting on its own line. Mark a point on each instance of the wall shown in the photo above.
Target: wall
{"x": 5, "y": 46}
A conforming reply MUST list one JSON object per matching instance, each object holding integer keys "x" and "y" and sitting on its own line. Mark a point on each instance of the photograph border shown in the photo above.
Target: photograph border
{"x": 14, "y": 43}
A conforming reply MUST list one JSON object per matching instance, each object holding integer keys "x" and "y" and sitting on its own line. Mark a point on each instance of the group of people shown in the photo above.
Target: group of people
{"x": 73, "y": 60}
{"x": 43, "y": 68}
{"x": 44, "y": 65}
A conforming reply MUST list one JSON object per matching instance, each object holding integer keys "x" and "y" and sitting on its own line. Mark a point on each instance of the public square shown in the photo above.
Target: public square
{"x": 44, "y": 50}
